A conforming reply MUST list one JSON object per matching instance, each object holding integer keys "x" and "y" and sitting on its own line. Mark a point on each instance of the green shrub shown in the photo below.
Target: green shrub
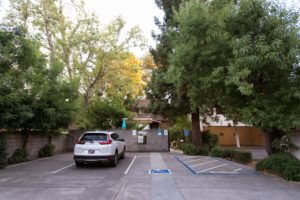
{"x": 228, "y": 153}
{"x": 3, "y": 159}
{"x": 232, "y": 154}
{"x": 241, "y": 156}
{"x": 292, "y": 171}
{"x": 204, "y": 151}
{"x": 181, "y": 145}
{"x": 20, "y": 155}
{"x": 217, "y": 152}
{"x": 47, "y": 151}
{"x": 284, "y": 165}
{"x": 211, "y": 140}
{"x": 189, "y": 149}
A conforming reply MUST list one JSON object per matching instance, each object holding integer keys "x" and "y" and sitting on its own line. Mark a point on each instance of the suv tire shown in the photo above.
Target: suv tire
{"x": 123, "y": 154}
{"x": 115, "y": 160}
{"x": 79, "y": 164}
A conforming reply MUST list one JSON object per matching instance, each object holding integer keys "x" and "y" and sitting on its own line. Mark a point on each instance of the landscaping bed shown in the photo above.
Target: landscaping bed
{"x": 284, "y": 165}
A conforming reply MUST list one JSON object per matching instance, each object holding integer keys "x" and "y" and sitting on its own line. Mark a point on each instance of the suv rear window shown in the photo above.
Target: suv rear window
{"x": 94, "y": 137}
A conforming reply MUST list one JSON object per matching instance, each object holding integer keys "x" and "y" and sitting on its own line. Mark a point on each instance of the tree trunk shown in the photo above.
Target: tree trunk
{"x": 196, "y": 133}
{"x": 25, "y": 139}
{"x": 88, "y": 92}
{"x": 86, "y": 98}
{"x": 270, "y": 136}
{"x": 49, "y": 40}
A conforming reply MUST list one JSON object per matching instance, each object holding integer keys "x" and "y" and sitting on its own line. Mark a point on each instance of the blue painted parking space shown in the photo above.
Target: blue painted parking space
{"x": 211, "y": 165}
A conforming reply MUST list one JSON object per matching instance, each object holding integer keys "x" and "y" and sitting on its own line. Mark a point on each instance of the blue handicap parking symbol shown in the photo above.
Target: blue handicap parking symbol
{"x": 159, "y": 171}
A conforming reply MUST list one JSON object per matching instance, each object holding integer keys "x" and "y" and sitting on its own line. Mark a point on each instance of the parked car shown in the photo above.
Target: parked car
{"x": 94, "y": 146}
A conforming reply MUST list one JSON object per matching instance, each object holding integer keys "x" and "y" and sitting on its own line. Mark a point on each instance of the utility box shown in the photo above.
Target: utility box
{"x": 142, "y": 137}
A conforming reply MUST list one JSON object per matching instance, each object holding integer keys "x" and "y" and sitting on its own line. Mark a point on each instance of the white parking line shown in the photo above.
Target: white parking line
{"x": 211, "y": 168}
{"x": 236, "y": 170}
{"x": 203, "y": 163}
{"x": 130, "y": 165}
{"x": 54, "y": 172}
{"x": 24, "y": 163}
{"x": 188, "y": 157}
{"x": 196, "y": 160}
{"x": 222, "y": 172}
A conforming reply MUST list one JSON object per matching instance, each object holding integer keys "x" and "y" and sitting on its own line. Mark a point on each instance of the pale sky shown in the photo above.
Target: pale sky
{"x": 134, "y": 12}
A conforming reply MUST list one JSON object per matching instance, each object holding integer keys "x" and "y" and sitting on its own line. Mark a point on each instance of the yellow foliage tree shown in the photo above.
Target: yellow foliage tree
{"x": 125, "y": 78}
{"x": 148, "y": 66}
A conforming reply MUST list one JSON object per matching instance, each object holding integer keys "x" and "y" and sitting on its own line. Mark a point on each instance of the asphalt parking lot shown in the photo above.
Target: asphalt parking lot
{"x": 57, "y": 178}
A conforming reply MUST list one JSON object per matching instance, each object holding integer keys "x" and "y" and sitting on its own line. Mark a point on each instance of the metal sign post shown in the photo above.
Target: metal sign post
{"x": 123, "y": 123}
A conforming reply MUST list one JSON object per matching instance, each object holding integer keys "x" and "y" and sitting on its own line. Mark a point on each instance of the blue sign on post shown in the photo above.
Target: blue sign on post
{"x": 124, "y": 123}
{"x": 186, "y": 132}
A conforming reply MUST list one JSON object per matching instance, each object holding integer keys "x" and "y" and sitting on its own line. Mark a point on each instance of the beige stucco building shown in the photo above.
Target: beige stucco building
{"x": 231, "y": 134}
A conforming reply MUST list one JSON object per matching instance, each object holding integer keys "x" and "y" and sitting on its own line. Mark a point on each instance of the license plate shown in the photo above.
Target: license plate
{"x": 91, "y": 151}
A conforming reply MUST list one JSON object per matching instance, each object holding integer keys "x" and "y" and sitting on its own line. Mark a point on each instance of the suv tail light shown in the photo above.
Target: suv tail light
{"x": 80, "y": 141}
{"x": 109, "y": 141}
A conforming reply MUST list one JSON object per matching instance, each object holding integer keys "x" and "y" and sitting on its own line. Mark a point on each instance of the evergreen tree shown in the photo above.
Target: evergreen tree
{"x": 165, "y": 97}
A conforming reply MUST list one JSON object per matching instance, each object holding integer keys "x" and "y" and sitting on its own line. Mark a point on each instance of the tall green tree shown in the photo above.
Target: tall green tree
{"x": 73, "y": 36}
{"x": 14, "y": 110}
{"x": 165, "y": 97}
{"x": 190, "y": 48}
{"x": 94, "y": 56}
{"x": 262, "y": 78}
{"x": 33, "y": 98}
{"x": 199, "y": 49}
{"x": 243, "y": 57}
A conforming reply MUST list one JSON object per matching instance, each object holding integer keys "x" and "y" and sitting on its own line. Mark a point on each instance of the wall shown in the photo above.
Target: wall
{"x": 34, "y": 144}
{"x": 295, "y": 138}
{"x": 66, "y": 142}
{"x": 249, "y": 136}
{"x": 155, "y": 142}
{"x": 13, "y": 142}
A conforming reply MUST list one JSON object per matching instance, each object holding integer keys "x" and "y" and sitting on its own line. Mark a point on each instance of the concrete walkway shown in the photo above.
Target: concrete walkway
{"x": 163, "y": 186}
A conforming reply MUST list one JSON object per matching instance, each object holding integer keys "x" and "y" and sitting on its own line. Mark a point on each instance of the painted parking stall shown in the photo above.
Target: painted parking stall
{"x": 210, "y": 165}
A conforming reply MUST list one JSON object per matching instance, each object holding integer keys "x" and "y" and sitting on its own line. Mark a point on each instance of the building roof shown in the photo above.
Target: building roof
{"x": 143, "y": 103}
{"x": 140, "y": 114}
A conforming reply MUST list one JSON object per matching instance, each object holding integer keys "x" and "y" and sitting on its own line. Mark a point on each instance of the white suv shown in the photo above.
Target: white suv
{"x": 95, "y": 146}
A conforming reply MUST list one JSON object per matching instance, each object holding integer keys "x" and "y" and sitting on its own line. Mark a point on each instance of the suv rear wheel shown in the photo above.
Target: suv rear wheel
{"x": 123, "y": 154}
{"x": 79, "y": 164}
{"x": 115, "y": 160}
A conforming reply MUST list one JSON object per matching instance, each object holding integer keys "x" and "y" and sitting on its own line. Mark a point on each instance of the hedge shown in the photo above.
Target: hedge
{"x": 20, "y": 155}
{"x": 190, "y": 149}
{"x": 3, "y": 154}
{"x": 47, "y": 151}
{"x": 284, "y": 165}
{"x": 232, "y": 154}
